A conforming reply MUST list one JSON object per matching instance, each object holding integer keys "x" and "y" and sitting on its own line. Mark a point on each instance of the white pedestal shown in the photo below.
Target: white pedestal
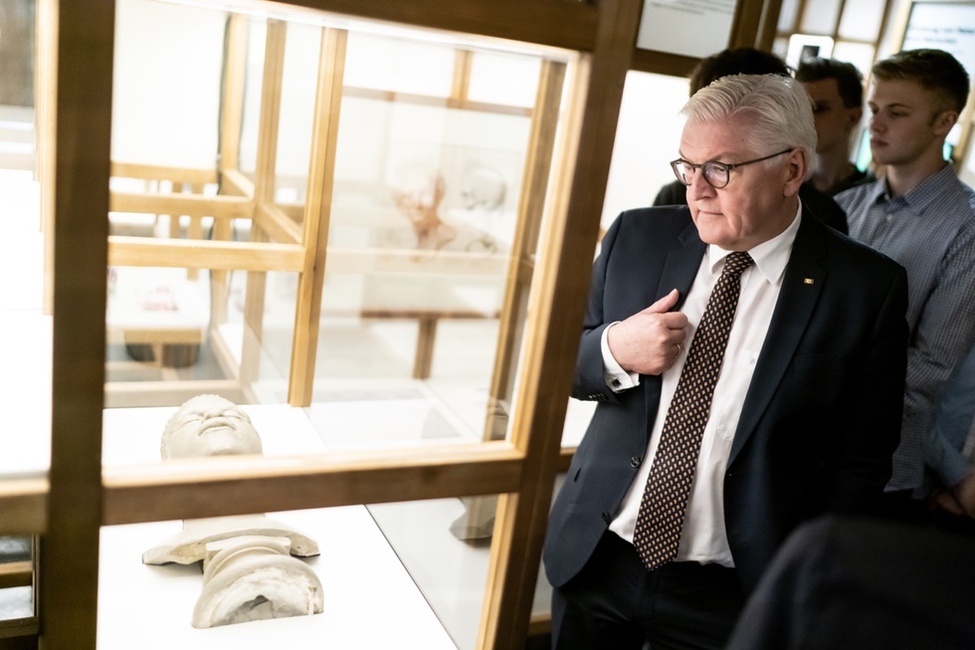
{"x": 370, "y": 599}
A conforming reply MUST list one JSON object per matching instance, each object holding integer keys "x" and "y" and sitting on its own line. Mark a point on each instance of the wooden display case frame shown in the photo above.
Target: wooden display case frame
{"x": 69, "y": 505}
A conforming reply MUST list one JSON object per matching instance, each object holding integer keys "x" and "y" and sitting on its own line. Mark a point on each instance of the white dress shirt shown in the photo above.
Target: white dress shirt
{"x": 704, "y": 539}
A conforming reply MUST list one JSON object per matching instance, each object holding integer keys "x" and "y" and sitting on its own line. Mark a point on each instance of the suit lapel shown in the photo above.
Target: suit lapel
{"x": 804, "y": 279}
{"x": 678, "y": 272}
{"x": 681, "y": 266}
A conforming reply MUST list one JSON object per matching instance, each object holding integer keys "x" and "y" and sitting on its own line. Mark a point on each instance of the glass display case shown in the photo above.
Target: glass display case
{"x": 350, "y": 221}
{"x": 370, "y": 225}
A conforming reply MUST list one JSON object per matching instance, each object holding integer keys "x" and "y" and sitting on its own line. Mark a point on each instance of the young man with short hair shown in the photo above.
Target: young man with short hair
{"x": 836, "y": 88}
{"x": 923, "y": 216}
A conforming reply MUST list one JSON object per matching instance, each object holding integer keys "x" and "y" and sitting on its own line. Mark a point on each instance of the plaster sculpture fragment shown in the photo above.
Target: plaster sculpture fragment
{"x": 251, "y": 578}
{"x": 249, "y": 572}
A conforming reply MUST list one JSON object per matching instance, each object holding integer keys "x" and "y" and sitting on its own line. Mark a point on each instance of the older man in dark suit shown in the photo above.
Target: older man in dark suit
{"x": 749, "y": 363}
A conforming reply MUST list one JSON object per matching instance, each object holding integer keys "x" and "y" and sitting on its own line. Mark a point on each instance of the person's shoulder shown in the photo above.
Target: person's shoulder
{"x": 823, "y": 207}
{"x": 659, "y": 213}
{"x": 656, "y": 221}
{"x": 842, "y": 249}
{"x": 966, "y": 196}
{"x": 856, "y": 195}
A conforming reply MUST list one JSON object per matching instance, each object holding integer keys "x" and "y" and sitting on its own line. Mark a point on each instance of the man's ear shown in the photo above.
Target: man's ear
{"x": 856, "y": 114}
{"x": 943, "y": 122}
{"x": 796, "y": 171}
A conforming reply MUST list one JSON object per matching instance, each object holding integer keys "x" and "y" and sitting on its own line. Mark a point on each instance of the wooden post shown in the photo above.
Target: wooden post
{"x": 550, "y": 356}
{"x": 318, "y": 209}
{"x": 69, "y": 550}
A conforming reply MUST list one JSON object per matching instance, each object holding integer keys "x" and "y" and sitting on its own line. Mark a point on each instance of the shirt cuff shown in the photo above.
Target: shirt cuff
{"x": 615, "y": 377}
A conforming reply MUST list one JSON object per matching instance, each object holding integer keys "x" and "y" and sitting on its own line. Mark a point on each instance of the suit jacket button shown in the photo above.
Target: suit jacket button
{"x": 634, "y": 461}
{"x": 606, "y": 517}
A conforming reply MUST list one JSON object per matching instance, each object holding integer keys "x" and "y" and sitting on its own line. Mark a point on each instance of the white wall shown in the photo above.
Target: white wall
{"x": 647, "y": 139}
{"x": 166, "y": 93}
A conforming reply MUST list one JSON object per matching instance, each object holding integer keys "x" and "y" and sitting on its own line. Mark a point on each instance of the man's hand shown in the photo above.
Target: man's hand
{"x": 959, "y": 500}
{"x": 964, "y": 493}
{"x": 649, "y": 341}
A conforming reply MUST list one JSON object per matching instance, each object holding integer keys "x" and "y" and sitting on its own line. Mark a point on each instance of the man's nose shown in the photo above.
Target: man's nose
{"x": 699, "y": 187}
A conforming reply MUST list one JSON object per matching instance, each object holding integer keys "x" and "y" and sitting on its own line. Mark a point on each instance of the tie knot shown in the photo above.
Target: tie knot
{"x": 736, "y": 263}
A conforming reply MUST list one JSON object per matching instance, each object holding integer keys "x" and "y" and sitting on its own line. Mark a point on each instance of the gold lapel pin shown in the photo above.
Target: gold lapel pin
{"x": 808, "y": 281}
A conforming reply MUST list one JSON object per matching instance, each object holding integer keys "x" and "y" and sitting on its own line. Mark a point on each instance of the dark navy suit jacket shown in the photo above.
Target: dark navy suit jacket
{"x": 822, "y": 414}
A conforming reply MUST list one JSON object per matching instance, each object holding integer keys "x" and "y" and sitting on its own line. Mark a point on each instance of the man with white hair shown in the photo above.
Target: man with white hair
{"x": 749, "y": 367}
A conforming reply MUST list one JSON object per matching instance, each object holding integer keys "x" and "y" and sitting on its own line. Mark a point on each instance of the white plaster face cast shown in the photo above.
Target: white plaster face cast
{"x": 209, "y": 425}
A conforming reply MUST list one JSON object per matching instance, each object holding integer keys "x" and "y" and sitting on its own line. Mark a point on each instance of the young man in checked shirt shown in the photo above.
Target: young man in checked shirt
{"x": 922, "y": 216}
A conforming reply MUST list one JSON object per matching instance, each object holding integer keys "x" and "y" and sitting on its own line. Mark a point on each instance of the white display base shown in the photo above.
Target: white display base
{"x": 370, "y": 599}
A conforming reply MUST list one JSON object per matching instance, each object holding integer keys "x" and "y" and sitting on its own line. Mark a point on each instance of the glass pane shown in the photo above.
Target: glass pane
{"x": 251, "y": 94}
{"x": 858, "y": 54}
{"x": 25, "y": 347}
{"x": 398, "y": 65}
{"x": 503, "y": 79}
{"x": 430, "y": 557}
{"x": 780, "y": 47}
{"x": 166, "y": 98}
{"x": 787, "y": 16}
{"x": 16, "y": 571}
{"x": 301, "y": 53}
{"x": 445, "y": 546}
{"x": 647, "y": 139}
{"x": 861, "y": 20}
{"x": 820, "y": 17}
{"x": 26, "y": 344}
{"x": 424, "y": 220}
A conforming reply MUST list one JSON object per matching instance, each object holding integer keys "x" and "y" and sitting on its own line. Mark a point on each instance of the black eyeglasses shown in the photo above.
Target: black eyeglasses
{"x": 717, "y": 174}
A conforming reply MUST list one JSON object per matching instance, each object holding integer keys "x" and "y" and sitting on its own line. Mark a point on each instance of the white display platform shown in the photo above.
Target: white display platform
{"x": 370, "y": 599}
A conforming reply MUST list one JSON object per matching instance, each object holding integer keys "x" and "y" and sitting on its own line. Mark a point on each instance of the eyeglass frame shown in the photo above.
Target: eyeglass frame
{"x": 721, "y": 165}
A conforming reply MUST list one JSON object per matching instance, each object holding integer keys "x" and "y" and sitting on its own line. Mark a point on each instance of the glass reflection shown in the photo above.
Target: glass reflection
{"x": 419, "y": 208}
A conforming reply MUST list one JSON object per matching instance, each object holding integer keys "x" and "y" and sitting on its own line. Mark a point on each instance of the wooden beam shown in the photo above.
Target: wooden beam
{"x": 675, "y": 65}
{"x": 534, "y": 189}
{"x": 277, "y": 224}
{"x": 234, "y": 183}
{"x": 194, "y": 205}
{"x": 69, "y": 550}
{"x": 204, "y": 254}
{"x": 316, "y": 218}
{"x": 568, "y": 24}
{"x": 558, "y": 301}
{"x": 459, "y": 103}
{"x": 129, "y": 394}
{"x": 160, "y": 172}
{"x": 387, "y": 260}
{"x": 231, "y": 485}
{"x": 264, "y": 182}
{"x": 16, "y": 574}
{"x": 23, "y": 506}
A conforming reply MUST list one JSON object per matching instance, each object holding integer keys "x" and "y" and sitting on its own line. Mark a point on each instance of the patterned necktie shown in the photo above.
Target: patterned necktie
{"x": 661, "y": 517}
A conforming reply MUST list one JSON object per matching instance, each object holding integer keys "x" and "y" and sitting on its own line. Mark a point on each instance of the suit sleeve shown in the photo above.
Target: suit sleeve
{"x": 875, "y": 406}
{"x": 588, "y": 382}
